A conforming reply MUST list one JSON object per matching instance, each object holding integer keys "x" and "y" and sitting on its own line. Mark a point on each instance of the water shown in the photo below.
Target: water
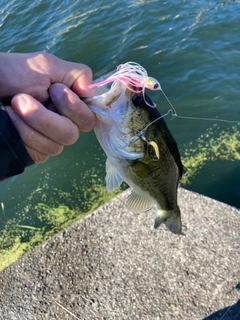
{"x": 191, "y": 47}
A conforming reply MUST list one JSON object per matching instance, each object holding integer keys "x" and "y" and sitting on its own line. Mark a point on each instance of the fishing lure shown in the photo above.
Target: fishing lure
{"x": 135, "y": 78}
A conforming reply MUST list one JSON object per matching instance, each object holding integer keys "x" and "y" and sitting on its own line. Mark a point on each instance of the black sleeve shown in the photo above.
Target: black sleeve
{"x": 13, "y": 154}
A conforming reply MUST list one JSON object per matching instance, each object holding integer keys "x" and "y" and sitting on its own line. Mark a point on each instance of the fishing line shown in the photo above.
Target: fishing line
{"x": 134, "y": 77}
{"x": 175, "y": 115}
{"x": 173, "y": 112}
{"x": 140, "y": 133}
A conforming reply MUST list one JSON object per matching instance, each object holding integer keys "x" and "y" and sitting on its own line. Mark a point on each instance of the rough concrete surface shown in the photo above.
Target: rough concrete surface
{"x": 114, "y": 265}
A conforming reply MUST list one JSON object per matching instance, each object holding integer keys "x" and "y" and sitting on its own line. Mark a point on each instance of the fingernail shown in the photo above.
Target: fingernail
{"x": 21, "y": 104}
{"x": 56, "y": 91}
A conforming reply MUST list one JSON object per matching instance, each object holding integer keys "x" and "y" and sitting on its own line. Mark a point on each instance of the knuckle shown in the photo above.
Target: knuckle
{"x": 45, "y": 122}
{"x": 28, "y": 136}
{"x": 72, "y": 135}
{"x": 81, "y": 116}
{"x": 87, "y": 71}
{"x": 45, "y": 60}
{"x": 39, "y": 157}
{"x": 74, "y": 108}
{"x": 54, "y": 149}
{"x": 88, "y": 124}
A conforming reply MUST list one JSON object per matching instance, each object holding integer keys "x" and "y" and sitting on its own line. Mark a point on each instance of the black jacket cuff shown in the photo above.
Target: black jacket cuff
{"x": 13, "y": 154}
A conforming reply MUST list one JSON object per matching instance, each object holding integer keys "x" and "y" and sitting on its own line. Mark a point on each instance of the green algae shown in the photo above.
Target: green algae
{"x": 214, "y": 144}
{"x": 49, "y": 210}
{"x": 45, "y": 213}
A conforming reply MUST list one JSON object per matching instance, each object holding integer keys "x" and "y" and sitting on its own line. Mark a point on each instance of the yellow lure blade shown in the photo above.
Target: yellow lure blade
{"x": 153, "y": 150}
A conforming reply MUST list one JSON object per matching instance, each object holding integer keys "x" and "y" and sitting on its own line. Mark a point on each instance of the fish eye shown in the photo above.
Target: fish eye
{"x": 137, "y": 100}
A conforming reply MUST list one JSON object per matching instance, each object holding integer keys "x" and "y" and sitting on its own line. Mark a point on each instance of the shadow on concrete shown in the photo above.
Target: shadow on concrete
{"x": 228, "y": 313}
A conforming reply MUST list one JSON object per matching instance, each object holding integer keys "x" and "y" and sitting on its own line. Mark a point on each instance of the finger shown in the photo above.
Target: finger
{"x": 37, "y": 156}
{"x": 76, "y": 76}
{"x": 52, "y": 125}
{"x": 68, "y": 104}
{"x": 38, "y": 145}
{"x": 80, "y": 85}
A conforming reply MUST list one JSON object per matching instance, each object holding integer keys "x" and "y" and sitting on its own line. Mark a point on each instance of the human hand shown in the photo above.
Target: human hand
{"x": 40, "y": 77}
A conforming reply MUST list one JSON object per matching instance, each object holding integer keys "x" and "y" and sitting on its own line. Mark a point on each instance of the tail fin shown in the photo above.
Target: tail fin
{"x": 171, "y": 218}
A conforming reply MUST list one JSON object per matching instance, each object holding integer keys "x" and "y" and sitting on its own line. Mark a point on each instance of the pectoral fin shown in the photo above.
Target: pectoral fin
{"x": 138, "y": 203}
{"x": 113, "y": 178}
{"x": 171, "y": 218}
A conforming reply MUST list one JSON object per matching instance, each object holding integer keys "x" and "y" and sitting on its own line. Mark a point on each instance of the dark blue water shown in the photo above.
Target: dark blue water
{"x": 191, "y": 47}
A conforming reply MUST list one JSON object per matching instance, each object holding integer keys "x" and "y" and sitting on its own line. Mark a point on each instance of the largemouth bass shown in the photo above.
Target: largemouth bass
{"x": 140, "y": 150}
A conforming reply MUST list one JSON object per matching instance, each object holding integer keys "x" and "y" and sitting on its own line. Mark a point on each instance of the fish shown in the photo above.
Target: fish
{"x": 140, "y": 148}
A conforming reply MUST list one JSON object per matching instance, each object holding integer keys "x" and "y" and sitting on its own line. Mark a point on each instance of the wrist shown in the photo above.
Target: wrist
{"x": 4, "y": 78}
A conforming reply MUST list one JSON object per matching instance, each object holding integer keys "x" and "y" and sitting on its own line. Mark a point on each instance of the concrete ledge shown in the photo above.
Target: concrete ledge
{"x": 113, "y": 265}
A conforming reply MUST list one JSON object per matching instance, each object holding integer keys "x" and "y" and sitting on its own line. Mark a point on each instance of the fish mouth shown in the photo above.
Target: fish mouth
{"x": 140, "y": 100}
{"x": 149, "y": 101}
{"x": 113, "y": 100}
{"x": 96, "y": 106}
